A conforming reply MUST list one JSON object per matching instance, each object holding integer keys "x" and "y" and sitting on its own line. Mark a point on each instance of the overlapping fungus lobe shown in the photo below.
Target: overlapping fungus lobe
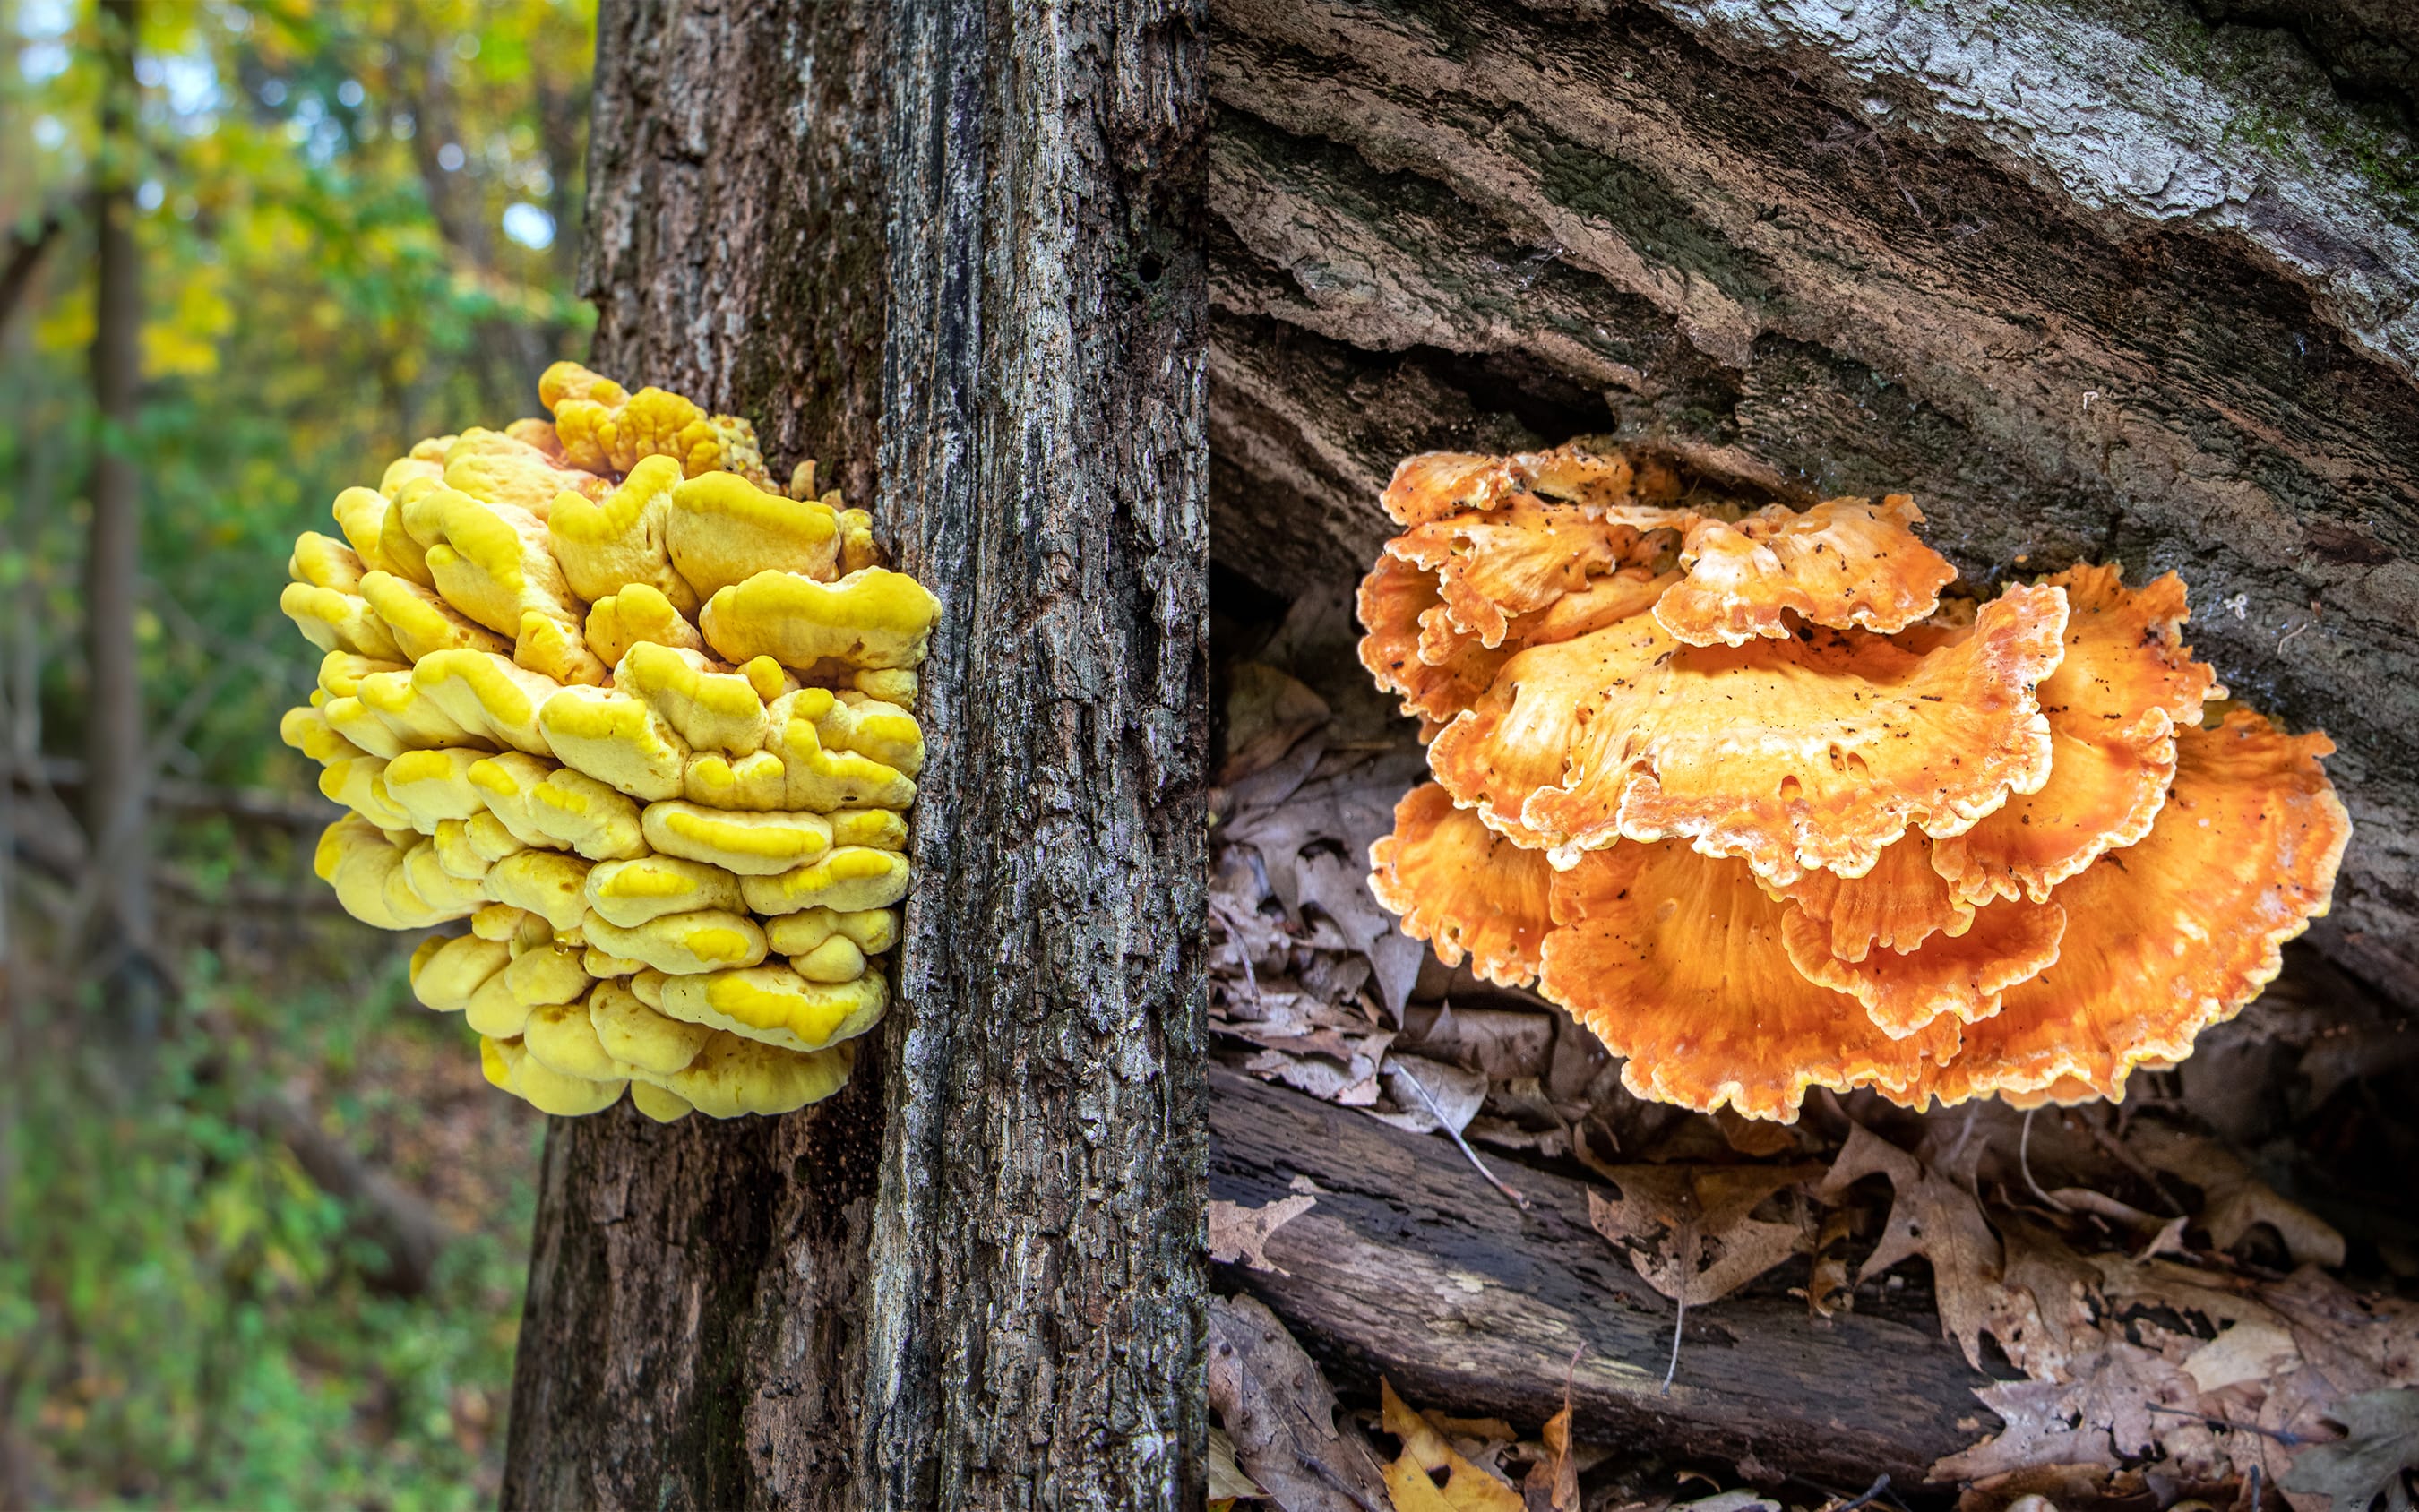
{"x": 1816, "y": 751}
{"x": 1961, "y": 976}
{"x": 1434, "y": 485}
{"x": 1674, "y": 960}
{"x": 2124, "y": 685}
{"x": 1396, "y": 599}
{"x": 1464, "y": 888}
{"x": 2178, "y": 931}
{"x": 1845, "y": 564}
{"x": 1494, "y": 566}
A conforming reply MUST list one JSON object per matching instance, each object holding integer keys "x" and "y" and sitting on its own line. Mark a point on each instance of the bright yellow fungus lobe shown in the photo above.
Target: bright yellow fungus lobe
{"x": 620, "y": 542}
{"x": 596, "y": 687}
{"x": 724, "y": 530}
{"x": 1741, "y": 791}
{"x": 875, "y": 618}
{"x": 776, "y": 1006}
{"x": 756, "y": 844}
{"x": 638, "y": 615}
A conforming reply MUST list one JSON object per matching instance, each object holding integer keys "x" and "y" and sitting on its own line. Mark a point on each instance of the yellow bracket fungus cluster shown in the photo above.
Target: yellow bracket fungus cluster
{"x": 1765, "y": 813}
{"x": 597, "y": 688}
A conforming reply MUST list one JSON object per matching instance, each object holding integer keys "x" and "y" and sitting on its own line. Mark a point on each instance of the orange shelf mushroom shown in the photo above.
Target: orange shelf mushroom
{"x": 1736, "y": 787}
{"x": 596, "y": 687}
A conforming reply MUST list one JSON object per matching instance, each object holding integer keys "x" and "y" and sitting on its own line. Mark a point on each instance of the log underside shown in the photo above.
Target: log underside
{"x": 1494, "y": 225}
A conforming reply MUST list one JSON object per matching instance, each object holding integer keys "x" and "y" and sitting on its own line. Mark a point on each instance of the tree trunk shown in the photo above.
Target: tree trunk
{"x": 952, "y": 252}
{"x": 2087, "y": 281}
{"x": 116, "y": 764}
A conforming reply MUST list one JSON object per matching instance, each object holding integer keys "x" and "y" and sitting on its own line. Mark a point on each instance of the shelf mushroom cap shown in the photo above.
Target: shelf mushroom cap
{"x": 874, "y": 619}
{"x": 776, "y": 1006}
{"x": 618, "y": 542}
{"x": 1463, "y": 888}
{"x": 1846, "y": 564}
{"x": 1675, "y": 961}
{"x": 2176, "y": 931}
{"x": 1961, "y": 975}
{"x": 1493, "y": 567}
{"x": 1813, "y": 752}
{"x": 2126, "y": 684}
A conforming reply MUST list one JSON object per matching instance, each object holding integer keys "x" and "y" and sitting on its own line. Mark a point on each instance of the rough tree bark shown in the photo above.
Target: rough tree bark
{"x": 951, "y": 252}
{"x": 2100, "y": 279}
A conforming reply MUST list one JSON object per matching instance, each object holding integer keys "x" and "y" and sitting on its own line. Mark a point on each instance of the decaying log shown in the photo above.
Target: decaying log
{"x": 1411, "y": 1266}
{"x": 2090, "y": 282}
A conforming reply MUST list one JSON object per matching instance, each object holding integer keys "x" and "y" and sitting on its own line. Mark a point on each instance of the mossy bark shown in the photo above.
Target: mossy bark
{"x": 950, "y": 251}
{"x": 2122, "y": 282}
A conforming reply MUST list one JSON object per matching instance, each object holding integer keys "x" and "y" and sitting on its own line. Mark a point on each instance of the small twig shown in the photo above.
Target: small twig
{"x": 2024, "y": 1163}
{"x": 2290, "y": 1441}
{"x": 1442, "y": 1122}
{"x": 1872, "y": 1494}
{"x": 1223, "y": 912}
{"x": 1678, "y": 1317}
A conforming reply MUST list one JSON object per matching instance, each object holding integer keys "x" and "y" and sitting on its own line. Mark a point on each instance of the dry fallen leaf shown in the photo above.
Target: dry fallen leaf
{"x": 2381, "y": 1443}
{"x": 2104, "y": 1412}
{"x": 1687, "y": 1228}
{"x": 1410, "y": 1480}
{"x": 1827, "y": 1290}
{"x": 1267, "y": 711}
{"x": 1453, "y": 1096}
{"x": 1240, "y": 1233}
{"x": 2233, "y": 1197}
{"x": 1935, "y": 1217}
{"x": 1227, "y": 1482}
{"x": 1280, "y": 1412}
{"x": 1739, "y": 1501}
{"x": 1553, "y": 1482}
{"x": 2247, "y": 1352}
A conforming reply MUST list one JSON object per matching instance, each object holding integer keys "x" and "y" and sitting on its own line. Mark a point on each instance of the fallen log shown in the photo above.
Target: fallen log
{"x": 1411, "y": 1266}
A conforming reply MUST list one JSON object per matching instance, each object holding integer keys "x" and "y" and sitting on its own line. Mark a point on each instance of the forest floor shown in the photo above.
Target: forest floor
{"x": 2186, "y": 1299}
{"x": 289, "y": 1274}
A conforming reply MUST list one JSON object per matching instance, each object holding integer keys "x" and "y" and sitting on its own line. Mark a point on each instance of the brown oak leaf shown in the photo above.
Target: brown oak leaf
{"x": 1935, "y": 1217}
{"x": 1687, "y": 1229}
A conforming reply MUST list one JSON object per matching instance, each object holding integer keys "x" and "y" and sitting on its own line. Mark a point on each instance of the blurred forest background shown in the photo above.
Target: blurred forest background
{"x": 262, "y": 1228}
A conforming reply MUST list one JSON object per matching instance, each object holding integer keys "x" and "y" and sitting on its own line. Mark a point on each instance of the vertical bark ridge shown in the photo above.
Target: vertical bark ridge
{"x": 1037, "y": 1291}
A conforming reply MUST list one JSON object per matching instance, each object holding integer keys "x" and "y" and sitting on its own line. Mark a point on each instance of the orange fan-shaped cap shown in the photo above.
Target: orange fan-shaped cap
{"x": 1463, "y": 888}
{"x": 1674, "y": 960}
{"x": 1811, "y": 753}
{"x": 1963, "y": 975}
{"x": 1845, "y": 562}
{"x": 2177, "y": 933}
{"x": 1898, "y": 904}
{"x": 1493, "y": 567}
{"x": 1606, "y": 600}
{"x": 2126, "y": 684}
{"x": 1435, "y": 485}
{"x": 1398, "y": 601}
